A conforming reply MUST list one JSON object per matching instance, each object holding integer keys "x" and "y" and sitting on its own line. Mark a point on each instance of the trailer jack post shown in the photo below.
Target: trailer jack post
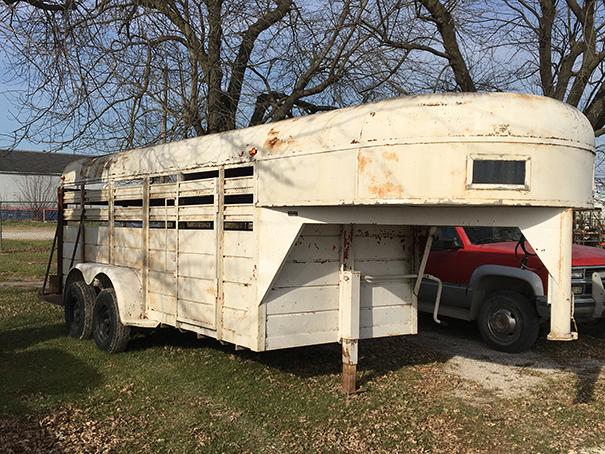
{"x": 349, "y": 366}
{"x": 349, "y": 374}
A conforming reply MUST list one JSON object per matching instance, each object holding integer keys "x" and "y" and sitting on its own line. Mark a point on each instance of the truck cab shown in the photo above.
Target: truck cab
{"x": 492, "y": 276}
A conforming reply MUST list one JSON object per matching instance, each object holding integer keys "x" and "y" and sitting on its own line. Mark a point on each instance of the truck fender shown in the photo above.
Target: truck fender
{"x": 528, "y": 277}
{"x": 127, "y": 286}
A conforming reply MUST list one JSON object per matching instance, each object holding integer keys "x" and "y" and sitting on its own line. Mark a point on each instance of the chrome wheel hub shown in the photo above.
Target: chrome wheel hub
{"x": 502, "y": 323}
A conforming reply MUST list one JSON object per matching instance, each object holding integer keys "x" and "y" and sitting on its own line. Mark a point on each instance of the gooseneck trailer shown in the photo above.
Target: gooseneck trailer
{"x": 315, "y": 230}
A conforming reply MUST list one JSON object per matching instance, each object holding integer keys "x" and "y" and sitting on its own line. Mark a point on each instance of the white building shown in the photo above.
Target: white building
{"x": 31, "y": 174}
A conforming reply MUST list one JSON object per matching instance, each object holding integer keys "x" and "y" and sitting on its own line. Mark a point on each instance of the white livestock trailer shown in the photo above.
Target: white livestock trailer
{"x": 314, "y": 230}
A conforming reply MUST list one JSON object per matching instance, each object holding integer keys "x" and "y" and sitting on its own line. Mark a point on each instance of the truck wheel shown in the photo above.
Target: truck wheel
{"x": 108, "y": 331}
{"x": 508, "y": 322}
{"x": 78, "y": 307}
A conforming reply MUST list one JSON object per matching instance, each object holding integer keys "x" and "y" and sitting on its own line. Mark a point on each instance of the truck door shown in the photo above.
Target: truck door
{"x": 443, "y": 263}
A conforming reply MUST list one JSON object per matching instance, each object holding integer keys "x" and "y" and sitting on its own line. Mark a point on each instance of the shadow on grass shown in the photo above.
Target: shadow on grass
{"x": 588, "y": 375}
{"x": 22, "y": 338}
{"x": 31, "y": 372}
{"x": 143, "y": 339}
{"x": 376, "y": 356}
{"x": 45, "y": 374}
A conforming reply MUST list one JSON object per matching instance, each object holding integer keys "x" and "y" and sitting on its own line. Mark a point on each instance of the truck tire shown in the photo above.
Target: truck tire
{"x": 109, "y": 333}
{"x": 508, "y": 322}
{"x": 78, "y": 306}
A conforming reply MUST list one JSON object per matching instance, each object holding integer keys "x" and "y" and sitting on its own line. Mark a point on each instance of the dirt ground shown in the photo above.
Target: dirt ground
{"x": 507, "y": 375}
{"x": 37, "y": 284}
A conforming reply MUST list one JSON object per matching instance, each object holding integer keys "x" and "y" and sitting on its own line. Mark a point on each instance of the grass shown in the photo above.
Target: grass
{"x": 171, "y": 392}
{"x": 23, "y": 260}
{"x": 11, "y": 225}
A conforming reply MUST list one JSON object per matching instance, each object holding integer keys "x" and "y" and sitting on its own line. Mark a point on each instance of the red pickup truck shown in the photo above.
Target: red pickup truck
{"x": 490, "y": 275}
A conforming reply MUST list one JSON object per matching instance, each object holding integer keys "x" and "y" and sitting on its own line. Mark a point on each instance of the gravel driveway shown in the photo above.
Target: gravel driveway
{"x": 28, "y": 234}
{"x": 507, "y": 375}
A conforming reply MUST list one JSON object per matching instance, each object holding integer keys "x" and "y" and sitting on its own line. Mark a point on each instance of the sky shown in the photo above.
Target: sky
{"x": 8, "y": 106}
{"x": 6, "y": 124}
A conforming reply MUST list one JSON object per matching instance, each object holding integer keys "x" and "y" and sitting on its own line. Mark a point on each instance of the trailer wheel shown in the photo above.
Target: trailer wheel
{"x": 78, "y": 307}
{"x": 508, "y": 322}
{"x": 108, "y": 331}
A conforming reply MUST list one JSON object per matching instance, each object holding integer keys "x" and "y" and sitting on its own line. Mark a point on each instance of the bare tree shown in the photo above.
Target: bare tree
{"x": 551, "y": 47}
{"x": 444, "y": 44}
{"x": 565, "y": 50}
{"x": 114, "y": 74}
{"x": 36, "y": 192}
{"x": 117, "y": 74}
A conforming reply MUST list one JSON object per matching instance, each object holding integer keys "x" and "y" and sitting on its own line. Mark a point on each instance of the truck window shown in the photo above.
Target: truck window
{"x": 485, "y": 235}
{"x": 446, "y": 238}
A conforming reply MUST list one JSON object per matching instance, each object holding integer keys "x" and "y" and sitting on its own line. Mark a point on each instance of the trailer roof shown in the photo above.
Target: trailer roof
{"x": 421, "y": 119}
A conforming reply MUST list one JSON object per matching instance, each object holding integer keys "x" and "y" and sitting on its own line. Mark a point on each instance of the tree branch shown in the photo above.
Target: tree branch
{"x": 45, "y": 6}
{"x": 446, "y": 26}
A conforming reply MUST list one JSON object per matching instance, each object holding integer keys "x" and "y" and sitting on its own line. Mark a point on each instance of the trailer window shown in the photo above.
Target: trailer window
{"x": 196, "y": 225}
{"x": 499, "y": 172}
{"x": 161, "y": 224}
{"x": 203, "y": 175}
{"x": 161, "y": 202}
{"x": 161, "y": 179}
{"x": 237, "y": 172}
{"x": 197, "y": 200}
{"x": 236, "y": 225}
{"x": 239, "y": 199}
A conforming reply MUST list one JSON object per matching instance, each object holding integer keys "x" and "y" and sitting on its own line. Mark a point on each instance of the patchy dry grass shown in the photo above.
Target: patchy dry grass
{"x": 173, "y": 393}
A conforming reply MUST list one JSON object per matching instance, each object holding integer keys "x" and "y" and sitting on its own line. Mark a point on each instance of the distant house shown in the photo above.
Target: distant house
{"x": 18, "y": 166}
{"x": 28, "y": 181}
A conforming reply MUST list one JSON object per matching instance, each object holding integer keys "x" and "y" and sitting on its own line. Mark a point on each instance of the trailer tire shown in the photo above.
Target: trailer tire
{"x": 109, "y": 333}
{"x": 78, "y": 308}
{"x": 508, "y": 322}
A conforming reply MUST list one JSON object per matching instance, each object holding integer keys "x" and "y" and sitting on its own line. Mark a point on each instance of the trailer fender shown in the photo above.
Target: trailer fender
{"x": 528, "y": 278}
{"x": 127, "y": 286}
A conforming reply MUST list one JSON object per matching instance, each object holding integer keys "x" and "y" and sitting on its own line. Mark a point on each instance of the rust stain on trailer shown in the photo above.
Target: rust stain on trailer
{"x": 390, "y": 156}
{"x": 386, "y": 189}
{"x": 347, "y": 237}
{"x": 272, "y": 138}
{"x": 346, "y": 354}
{"x": 274, "y": 142}
{"x": 362, "y": 161}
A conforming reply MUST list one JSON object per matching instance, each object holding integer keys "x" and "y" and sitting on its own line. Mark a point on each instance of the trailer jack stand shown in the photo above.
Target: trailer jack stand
{"x": 349, "y": 378}
{"x": 349, "y": 366}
